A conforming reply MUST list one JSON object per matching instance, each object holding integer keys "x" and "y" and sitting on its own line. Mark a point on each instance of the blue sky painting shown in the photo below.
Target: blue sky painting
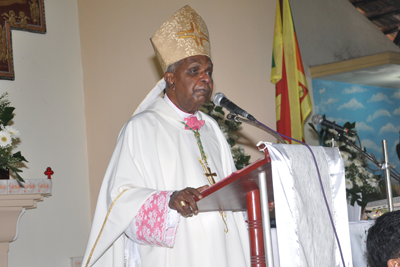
{"x": 376, "y": 111}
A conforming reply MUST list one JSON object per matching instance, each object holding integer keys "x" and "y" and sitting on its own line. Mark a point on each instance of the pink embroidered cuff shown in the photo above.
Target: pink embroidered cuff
{"x": 155, "y": 224}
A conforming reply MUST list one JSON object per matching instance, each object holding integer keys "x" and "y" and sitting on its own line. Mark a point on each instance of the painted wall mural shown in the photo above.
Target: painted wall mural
{"x": 376, "y": 111}
{"x": 23, "y": 15}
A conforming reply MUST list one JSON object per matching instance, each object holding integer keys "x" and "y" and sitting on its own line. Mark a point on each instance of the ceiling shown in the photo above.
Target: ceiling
{"x": 385, "y": 14}
{"x": 381, "y": 70}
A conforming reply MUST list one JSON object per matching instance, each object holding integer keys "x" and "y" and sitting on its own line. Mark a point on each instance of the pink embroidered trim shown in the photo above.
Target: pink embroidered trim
{"x": 152, "y": 220}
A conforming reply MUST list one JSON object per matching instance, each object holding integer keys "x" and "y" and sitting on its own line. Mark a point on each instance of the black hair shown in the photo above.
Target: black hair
{"x": 383, "y": 240}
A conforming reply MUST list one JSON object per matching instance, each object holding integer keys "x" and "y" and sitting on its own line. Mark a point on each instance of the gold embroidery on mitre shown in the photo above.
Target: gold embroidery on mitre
{"x": 169, "y": 41}
{"x": 195, "y": 35}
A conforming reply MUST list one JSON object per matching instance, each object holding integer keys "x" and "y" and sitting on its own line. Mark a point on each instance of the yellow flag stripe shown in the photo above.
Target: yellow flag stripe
{"x": 278, "y": 107}
{"x": 277, "y": 50}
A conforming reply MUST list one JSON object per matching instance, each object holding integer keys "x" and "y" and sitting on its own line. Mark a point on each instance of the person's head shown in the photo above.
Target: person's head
{"x": 189, "y": 82}
{"x": 383, "y": 240}
{"x": 182, "y": 46}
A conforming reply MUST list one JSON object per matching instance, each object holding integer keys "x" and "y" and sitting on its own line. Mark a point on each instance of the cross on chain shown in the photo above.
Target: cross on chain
{"x": 210, "y": 175}
{"x": 207, "y": 171}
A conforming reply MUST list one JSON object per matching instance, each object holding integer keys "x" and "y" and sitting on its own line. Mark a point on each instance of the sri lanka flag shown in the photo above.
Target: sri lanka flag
{"x": 293, "y": 103}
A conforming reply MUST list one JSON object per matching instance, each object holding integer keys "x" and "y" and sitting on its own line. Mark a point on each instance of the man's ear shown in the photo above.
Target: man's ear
{"x": 169, "y": 78}
{"x": 393, "y": 263}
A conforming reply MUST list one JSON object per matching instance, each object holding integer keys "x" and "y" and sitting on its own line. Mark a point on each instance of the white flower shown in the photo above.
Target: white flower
{"x": 233, "y": 136}
{"x": 370, "y": 175}
{"x": 237, "y": 151}
{"x": 345, "y": 156}
{"x": 362, "y": 170}
{"x": 13, "y": 132}
{"x": 204, "y": 110}
{"x": 333, "y": 131}
{"x": 373, "y": 182}
{"x": 224, "y": 127}
{"x": 352, "y": 149}
{"x": 217, "y": 114}
{"x": 328, "y": 142}
{"x": 359, "y": 182}
{"x": 349, "y": 184}
{"x": 5, "y": 138}
{"x": 357, "y": 162}
{"x": 225, "y": 133}
{"x": 351, "y": 138}
{"x": 340, "y": 143}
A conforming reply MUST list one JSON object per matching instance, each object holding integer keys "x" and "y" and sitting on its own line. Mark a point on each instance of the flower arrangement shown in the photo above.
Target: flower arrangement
{"x": 362, "y": 186}
{"x": 9, "y": 138}
{"x": 229, "y": 129}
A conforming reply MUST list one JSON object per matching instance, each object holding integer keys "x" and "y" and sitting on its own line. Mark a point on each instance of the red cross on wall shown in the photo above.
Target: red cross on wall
{"x": 49, "y": 172}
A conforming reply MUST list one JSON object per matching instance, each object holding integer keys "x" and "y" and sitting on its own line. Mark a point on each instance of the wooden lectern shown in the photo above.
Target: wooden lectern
{"x": 247, "y": 189}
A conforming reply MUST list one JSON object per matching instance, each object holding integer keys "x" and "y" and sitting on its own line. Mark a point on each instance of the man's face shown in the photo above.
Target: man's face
{"x": 191, "y": 85}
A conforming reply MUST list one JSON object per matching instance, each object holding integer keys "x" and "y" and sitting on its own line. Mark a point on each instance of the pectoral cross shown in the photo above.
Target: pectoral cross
{"x": 210, "y": 175}
{"x": 211, "y": 180}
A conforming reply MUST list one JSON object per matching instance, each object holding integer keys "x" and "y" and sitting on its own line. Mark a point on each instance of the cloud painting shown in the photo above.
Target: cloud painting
{"x": 376, "y": 111}
{"x": 352, "y": 104}
{"x": 377, "y": 114}
{"x": 354, "y": 89}
{"x": 379, "y": 97}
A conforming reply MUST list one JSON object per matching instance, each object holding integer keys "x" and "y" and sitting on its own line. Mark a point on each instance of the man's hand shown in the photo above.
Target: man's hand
{"x": 183, "y": 201}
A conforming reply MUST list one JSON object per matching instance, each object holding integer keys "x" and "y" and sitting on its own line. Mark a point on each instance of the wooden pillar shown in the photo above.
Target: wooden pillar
{"x": 257, "y": 252}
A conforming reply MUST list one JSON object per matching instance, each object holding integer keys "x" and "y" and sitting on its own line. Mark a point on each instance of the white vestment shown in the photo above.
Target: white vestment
{"x": 154, "y": 152}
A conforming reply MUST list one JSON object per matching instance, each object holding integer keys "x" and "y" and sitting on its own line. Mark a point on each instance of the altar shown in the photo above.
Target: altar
{"x": 14, "y": 201}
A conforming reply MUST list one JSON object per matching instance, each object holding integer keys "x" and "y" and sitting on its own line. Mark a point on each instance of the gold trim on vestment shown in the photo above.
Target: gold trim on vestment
{"x": 102, "y": 228}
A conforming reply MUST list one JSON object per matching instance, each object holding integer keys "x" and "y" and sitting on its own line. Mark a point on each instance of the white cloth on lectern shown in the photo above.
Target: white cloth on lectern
{"x": 305, "y": 234}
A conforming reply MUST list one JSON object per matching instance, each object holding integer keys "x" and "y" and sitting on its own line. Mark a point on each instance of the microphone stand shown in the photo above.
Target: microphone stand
{"x": 234, "y": 117}
{"x": 384, "y": 166}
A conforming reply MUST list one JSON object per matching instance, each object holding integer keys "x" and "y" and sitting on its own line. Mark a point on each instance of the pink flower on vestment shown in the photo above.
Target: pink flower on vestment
{"x": 193, "y": 123}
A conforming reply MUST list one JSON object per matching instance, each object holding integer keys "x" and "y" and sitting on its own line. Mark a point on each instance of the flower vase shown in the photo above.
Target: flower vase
{"x": 4, "y": 174}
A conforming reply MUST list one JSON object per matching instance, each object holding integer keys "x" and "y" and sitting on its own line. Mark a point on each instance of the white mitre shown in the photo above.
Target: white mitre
{"x": 183, "y": 35}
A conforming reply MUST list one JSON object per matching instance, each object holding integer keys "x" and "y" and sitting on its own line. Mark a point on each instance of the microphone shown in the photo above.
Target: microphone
{"x": 221, "y": 100}
{"x": 317, "y": 119}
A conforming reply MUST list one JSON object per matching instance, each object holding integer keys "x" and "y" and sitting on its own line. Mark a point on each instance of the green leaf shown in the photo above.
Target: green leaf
{"x": 16, "y": 171}
{"x": 3, "y": 161}
{"x": 219, "y": 109}
{"x": 7, "y": 115}
{"x": 19, "y": 178}
{"x": 19, "y": 156}
{"x": 239, "y": 166}
{"x": 231, "y": 142}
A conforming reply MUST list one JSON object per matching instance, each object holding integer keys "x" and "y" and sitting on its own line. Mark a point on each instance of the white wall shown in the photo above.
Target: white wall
{"x": 48, "y": 96}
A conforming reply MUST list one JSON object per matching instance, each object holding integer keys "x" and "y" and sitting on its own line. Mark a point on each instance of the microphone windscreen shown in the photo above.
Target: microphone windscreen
{"x": 217, "y": 98}
{"x": 317, "y": 119}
